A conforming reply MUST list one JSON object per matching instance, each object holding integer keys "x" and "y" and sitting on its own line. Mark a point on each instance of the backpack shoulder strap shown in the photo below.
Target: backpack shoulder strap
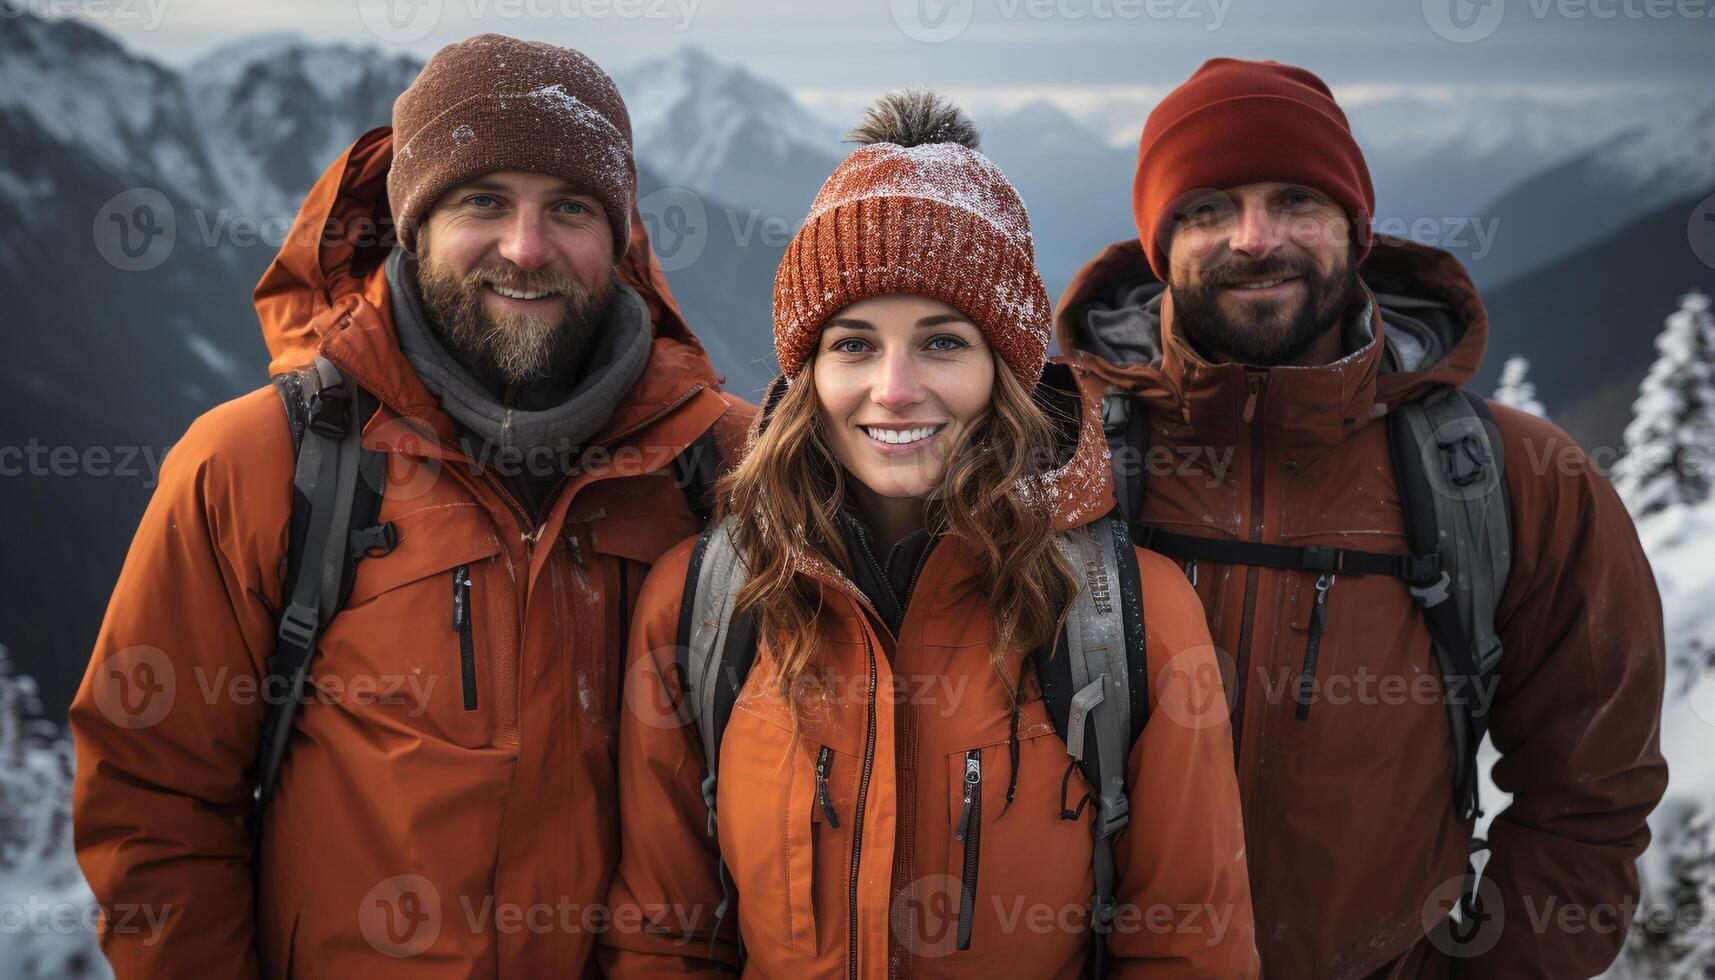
{"x": 1126, "y": 425}
{"x": 696, "y": 469}
{"x": 325, "y": 415}
{"x": 1451, "y": 470}
{"x": 1096, "y": 689}
{"x": 716, "y": 648}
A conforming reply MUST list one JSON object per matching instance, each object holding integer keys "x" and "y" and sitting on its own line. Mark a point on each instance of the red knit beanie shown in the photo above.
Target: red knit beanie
{"x": 1240, "y": 122}
{"x": 498, "y": 103}
{"x": 918, "y": 211}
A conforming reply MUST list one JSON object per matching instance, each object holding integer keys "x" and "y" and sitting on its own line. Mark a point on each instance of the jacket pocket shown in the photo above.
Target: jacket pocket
{"x": 418, "y": 637}
{"x": 770, "y": 820}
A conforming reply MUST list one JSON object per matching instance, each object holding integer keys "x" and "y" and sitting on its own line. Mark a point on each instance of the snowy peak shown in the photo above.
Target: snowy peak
{"x": 75, "y": 85}
{"x": 275, "y": 110}
{"x": 694, "y": 119}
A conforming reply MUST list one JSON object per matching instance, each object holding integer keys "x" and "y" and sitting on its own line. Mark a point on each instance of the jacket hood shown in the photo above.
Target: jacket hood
{"x": 326, "y": 292}
{"x": 1080, "y": 487}
{"x": 1426, "y": 328}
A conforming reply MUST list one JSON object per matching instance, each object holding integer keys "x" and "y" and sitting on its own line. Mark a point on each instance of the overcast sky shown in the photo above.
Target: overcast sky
{"x": 1007, "y": 48}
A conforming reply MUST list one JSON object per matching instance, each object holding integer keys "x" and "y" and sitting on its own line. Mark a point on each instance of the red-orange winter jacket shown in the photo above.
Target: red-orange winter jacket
{"x": 410, "y": 835}
{"x": 869, "y": 883}
{"x": 1354, "y": 843}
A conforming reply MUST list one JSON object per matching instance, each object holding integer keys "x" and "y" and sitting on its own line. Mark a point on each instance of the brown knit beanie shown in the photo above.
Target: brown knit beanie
{"x": 497, "y": 103}
{"x": 917, "y": 210}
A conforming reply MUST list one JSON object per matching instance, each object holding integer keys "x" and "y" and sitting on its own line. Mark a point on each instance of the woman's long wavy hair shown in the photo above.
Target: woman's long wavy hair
{"x": 788, "y": 491}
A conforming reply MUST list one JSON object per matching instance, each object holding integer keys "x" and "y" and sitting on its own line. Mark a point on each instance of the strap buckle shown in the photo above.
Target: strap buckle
{"x": 330, "y": 411}
{"x": 709, "y": 800}
{"x": 1321, "y": 558}
{"x": 298, "y": 625}
{"x": 1435, "y": 593}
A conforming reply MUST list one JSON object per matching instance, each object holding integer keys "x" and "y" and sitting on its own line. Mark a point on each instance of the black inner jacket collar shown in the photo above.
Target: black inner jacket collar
{"x": 886, "y": 580}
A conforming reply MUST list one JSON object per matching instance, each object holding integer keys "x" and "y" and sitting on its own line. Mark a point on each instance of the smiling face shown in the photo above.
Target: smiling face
{"x": 515, "y": 269}
{"x": 899, "y": 380}
{"x": 1261, "y": 273}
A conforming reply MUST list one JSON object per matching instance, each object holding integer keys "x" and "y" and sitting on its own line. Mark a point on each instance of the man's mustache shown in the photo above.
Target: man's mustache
{"x": 521, "y": 280}
{"x": 1243, "y": 270}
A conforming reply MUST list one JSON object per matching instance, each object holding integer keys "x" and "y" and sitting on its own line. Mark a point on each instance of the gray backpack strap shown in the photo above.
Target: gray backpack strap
{"x": 716, "y": 650}
{"x": 719, "y": 576}
{"x": 1452, "y": 479}
{"x": 324, "y": 486}
{"x": 1451, "y": 470}
{"x": 1101, "y": 680}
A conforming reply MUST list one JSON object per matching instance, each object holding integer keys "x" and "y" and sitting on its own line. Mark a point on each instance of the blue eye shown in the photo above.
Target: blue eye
{"x": 481, "y": 200}
{"x": 575, "y": 207}
{"x": 947, "y": 342}
{"x": 848, "y": 345}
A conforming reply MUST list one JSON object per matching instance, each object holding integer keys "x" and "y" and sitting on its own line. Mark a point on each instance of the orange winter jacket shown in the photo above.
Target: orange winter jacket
{"x": 1354, "y": 844}
{"x": 421, "y": 827}
{"x": 843, "y": 841}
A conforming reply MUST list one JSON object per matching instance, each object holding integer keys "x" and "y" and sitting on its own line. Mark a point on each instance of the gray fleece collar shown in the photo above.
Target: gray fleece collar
{"x": 621, "y": 352}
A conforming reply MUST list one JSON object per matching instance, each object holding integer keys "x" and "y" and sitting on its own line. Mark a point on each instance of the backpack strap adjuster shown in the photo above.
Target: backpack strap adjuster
{"x": 1436, "y": 592}
{"x": 329, "y": 411}
{"x": 298, "y": 625}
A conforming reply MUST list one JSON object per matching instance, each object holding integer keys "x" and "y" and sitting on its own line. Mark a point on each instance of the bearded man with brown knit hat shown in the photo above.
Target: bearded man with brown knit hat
{"x": 423, "y": 784}
{"x": 1391, "y": 567}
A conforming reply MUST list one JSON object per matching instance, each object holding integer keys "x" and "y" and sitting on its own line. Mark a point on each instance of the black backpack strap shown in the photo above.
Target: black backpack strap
{"x": 1126, "y": 426}
{"x": 336, "y": 488}
{"x": 696, "y": 469}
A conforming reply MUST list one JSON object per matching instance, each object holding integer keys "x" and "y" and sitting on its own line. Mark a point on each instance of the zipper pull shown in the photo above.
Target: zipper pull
{"x": 973, "y": 783}
{"x": 461, "y": 594}
{"x": 824, "y": 761}
{"x": 1313, "y": 645}
{"x": 530, "y": 538}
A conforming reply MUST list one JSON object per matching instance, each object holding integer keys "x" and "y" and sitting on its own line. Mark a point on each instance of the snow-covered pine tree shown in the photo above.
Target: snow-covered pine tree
{"x": 1516, "y": 389}
{"x": 1670, "y": 443}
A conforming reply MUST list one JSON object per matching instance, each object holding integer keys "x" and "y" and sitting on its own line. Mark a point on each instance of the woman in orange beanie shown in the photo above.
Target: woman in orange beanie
{"x": 960, "y": 725}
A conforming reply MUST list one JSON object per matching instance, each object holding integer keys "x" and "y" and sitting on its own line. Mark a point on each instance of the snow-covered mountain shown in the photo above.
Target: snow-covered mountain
{"x": 718, "y": 128}
{"x": 275, "y": 110}
{"x": 1575, "y": 202}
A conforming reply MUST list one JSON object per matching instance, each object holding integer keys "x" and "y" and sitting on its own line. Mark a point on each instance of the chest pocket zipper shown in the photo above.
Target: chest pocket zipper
{"x": 462, "y": 626}
{"x": 970, "y": 831}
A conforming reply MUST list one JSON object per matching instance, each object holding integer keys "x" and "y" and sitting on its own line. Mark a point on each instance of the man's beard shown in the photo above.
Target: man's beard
{"x": 518, "y": 347}
{"x": 1269, "y": 332}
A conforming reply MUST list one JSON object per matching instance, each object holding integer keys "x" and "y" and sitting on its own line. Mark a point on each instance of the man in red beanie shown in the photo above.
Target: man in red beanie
{"x": 1392, "y": 567}
{"x": 407, "y": 768}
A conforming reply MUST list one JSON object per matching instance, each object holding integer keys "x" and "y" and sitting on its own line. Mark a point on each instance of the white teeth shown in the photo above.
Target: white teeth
{"x": 899, "y": 437}
{"x": 1261, "y": 285}
{"x": 517, "y": 293}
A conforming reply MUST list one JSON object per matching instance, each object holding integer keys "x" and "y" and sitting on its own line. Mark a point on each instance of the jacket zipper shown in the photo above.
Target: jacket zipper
{"x": 1313, "y": 645}
{"x": 857, "y": 822}
{"x": 1253, "y": 415}
{"x": 824, "y": 762}
{"x": 971, "y": 832}
{"x": 461, "y": 625}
